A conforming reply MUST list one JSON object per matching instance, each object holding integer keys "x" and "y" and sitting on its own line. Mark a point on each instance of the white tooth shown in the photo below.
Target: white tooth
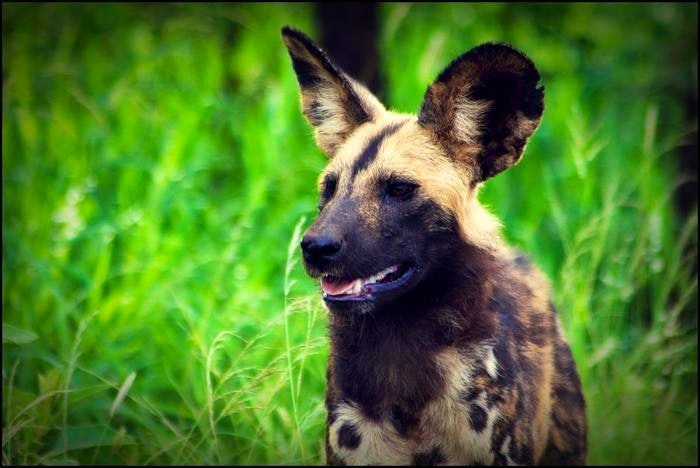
{"x": 357, "y": 287}
{"x": 387, "y": 271}
{"x": 381, "y": 274}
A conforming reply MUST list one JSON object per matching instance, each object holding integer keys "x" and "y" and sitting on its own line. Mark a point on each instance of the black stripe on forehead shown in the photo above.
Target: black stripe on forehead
{"x": 370, "y": 152}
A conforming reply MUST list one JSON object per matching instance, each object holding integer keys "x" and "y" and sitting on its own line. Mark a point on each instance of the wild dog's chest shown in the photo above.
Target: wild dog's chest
{"x": 454, "y": 427}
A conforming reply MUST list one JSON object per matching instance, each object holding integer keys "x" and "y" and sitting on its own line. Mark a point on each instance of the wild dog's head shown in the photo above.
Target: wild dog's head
{"x": 399, "y": 193}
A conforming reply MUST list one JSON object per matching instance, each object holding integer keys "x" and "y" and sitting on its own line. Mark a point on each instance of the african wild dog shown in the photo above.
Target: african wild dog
{"x": 445, "y": 345}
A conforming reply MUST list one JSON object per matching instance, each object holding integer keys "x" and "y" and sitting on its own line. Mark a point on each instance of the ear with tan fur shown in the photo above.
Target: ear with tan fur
{"x": 484, "y": 106}
{"x": 332, "y": 102}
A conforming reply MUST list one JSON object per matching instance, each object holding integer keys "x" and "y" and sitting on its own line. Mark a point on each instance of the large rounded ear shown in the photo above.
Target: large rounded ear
{"x": 332, "y": 102}
{"x": 484, "y": 106}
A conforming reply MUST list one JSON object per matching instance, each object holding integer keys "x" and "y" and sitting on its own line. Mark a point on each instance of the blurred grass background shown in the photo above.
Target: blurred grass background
{"x": 157, "y": 172}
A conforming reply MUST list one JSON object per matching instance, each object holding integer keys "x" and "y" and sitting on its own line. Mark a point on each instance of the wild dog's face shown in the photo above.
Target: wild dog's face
{"x": 399, "y": 193}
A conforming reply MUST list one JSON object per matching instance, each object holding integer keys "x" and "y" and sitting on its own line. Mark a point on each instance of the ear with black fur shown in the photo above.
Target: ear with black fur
{"x": 332, "y": 102}
{"x": 484, "y": 106}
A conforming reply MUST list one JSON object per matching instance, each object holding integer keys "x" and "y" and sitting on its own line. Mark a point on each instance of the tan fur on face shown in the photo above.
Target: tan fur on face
{"x": 411, "y": 152}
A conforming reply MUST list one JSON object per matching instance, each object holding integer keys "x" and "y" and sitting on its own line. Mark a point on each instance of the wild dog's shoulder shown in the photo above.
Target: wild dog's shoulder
{"x": 521, "y": 299}
{"x": 524, "y": 271}
{"x": 567, "y": 443}
{"x": 537, "y": 371}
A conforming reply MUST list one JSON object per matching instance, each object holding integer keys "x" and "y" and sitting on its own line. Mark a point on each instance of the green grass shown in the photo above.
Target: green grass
{"x": 157, "y": 174}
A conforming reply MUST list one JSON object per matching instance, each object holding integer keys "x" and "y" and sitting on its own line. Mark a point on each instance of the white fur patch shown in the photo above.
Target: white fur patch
{"x": 444, "y": 423}
{"x": 447, "y": 420}
{"x": 467, "y": 119}
{"x": 490, "y": 363}
{"x": 334, "y": 128}
{"x": 505, "y": 451}
{"x": 380, "y": 444}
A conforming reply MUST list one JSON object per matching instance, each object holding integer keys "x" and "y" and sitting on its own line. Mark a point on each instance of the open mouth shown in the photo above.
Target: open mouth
{"x": 364, "y": 289}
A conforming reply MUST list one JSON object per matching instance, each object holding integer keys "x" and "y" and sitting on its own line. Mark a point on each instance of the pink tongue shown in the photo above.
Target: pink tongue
{"x": 335, "y": 288}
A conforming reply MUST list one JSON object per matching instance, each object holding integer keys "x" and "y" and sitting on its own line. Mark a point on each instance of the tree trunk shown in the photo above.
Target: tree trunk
{"x": 349, "y": 35}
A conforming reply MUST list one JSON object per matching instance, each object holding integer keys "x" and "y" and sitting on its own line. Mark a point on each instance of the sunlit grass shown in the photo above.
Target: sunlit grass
{"x": 157, "y": 174}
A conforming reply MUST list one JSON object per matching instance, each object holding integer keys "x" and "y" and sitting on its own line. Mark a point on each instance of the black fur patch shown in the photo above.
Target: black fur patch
{"x": 523, "y": 262}
{"x": 316, "y": 114}
{"x": 500, "y": 460}
{"x": 401, "y": 420}
{"x": 506, "y": 364}
{"x": 506, "y": 307}
{"x": 473, "y": 392}
{"x": 555, "y": 457}
{"x": 514, "y": 87}
{"x": 478, "y": 417}
{"x": 432, "y": 458}
{"x": 521, "y": 453}
{"x": 348, "y": 436}
{"x": 564, "y": 362}
{"x": 306, "y": 73}
{"x": 370, "y": 152}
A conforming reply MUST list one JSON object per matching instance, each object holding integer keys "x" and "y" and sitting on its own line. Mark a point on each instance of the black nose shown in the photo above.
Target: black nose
{"x": 320, "y": 248}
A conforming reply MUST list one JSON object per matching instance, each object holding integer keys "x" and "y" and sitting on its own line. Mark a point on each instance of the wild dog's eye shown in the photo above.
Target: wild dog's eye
{"x": 400, "y": 190}
{"x": 328, "y": 189}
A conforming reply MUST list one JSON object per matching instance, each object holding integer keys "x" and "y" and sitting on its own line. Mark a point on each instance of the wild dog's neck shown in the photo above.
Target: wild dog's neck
{"x": 387, "y": 357}
{"x": 476, "y": 224}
